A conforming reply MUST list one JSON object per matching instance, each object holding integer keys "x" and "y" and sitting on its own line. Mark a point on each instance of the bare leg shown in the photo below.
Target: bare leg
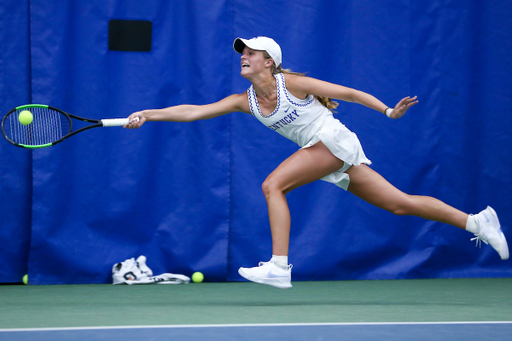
{"x": 304, "y": 166}
{"x": 310, "y": 164}
{"x": 373, "y": 188}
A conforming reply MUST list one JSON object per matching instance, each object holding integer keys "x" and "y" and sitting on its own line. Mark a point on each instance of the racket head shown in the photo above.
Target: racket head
{"x": 48, "y": 127}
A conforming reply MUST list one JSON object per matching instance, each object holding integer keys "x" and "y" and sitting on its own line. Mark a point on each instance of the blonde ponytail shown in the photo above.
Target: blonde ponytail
{"x": 326, "y": 102}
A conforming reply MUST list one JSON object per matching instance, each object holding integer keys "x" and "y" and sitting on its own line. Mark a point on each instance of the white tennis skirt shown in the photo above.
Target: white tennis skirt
{"x": 343, "y": 144}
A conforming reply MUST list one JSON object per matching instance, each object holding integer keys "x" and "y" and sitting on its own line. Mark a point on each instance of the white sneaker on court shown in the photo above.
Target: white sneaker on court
{"x": 269, "y": 273}
{"x": 490, "y": 232}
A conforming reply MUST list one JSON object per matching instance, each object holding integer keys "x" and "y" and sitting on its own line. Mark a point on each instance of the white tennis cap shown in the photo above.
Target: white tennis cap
{"x": 260, "y": 44}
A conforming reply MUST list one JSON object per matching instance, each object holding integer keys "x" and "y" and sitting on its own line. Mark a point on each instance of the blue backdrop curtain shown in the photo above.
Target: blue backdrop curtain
{"x": 15, "y": 163}
{"x": 188, "y": 195}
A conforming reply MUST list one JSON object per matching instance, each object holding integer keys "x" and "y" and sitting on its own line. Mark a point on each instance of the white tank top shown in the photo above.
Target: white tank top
{"x": 306, "y": 122}
{"x": 296, "y": 119}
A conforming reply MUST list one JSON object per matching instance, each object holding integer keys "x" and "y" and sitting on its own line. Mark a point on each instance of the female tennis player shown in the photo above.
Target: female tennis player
{"x": 299, "y": 108}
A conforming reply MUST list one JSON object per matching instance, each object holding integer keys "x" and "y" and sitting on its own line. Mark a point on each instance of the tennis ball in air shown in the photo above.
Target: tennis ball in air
{"x": 197, "y": 277}
{"x": 25, "y": 117}
{"x": 25, "y": 279}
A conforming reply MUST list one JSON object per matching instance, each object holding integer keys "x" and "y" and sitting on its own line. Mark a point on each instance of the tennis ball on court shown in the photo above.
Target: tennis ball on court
{"x": 25, "y": 117}
{"x": 25, "y": 279}
{"x": 197, "y": 277}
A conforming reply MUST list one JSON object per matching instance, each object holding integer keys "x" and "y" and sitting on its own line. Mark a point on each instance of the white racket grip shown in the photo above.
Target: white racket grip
{"x": 116, "y": 122}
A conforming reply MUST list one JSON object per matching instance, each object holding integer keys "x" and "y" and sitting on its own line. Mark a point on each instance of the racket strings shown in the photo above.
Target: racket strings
{"x": 47, "y": 126}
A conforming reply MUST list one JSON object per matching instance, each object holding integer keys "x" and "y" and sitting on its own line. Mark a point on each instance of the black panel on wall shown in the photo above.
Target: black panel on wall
{"x": 129, "y": 35}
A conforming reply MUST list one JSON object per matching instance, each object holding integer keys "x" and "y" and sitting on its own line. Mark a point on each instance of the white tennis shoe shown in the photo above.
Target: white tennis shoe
{"x": 490, "y": 232}
{"x": 269, "y": 273}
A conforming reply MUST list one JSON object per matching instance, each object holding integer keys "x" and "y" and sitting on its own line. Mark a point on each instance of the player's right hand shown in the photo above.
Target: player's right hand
{"x": 136, "y": 120}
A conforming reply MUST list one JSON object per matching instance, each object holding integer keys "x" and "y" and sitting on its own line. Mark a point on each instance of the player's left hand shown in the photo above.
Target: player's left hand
{"x": 402, "y": 106}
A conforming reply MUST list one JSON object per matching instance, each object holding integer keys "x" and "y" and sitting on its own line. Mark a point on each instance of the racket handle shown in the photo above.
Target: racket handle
{"x": 116, "y": 122}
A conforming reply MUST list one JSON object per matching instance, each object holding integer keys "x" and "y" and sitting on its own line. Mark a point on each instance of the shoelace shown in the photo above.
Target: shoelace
{"x": 479, "y": 239}
{"x": 290, "y": 266}
{"x": 480, "y": 236}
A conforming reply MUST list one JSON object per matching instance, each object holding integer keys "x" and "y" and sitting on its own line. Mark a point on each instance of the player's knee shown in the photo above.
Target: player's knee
{"x": 269, "y": 186}
{"x": 266, "y": 187}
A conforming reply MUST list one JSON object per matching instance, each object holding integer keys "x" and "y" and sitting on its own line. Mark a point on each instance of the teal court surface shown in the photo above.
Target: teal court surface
{"x": 433, "y": 309}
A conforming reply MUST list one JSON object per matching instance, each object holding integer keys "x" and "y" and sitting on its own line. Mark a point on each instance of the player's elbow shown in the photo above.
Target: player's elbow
{"x": 191, "y": 113}
{"x": 355, "y": 96}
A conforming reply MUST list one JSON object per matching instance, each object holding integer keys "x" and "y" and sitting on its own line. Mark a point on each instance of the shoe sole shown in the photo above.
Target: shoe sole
{"x": 272, "y": 282}
{"x": 504, "y": 254}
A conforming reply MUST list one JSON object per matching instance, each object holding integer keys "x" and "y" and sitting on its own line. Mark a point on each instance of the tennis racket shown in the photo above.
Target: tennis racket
{"x": 47, "y": 127}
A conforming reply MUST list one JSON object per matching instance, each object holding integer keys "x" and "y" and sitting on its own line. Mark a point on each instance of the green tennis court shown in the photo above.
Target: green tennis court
{"x": 413, "y": 302}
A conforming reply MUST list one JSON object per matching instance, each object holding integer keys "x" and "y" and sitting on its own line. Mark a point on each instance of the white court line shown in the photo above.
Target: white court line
{"x": 252, "y": 325}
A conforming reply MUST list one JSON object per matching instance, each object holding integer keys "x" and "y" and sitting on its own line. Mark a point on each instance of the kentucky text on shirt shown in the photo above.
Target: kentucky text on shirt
{"x": 284, "y": 121}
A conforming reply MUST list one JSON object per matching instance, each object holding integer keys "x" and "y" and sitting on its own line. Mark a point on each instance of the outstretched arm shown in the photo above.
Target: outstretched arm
{"x": 189, "y": 113}
{"x": 302, "y": 86}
